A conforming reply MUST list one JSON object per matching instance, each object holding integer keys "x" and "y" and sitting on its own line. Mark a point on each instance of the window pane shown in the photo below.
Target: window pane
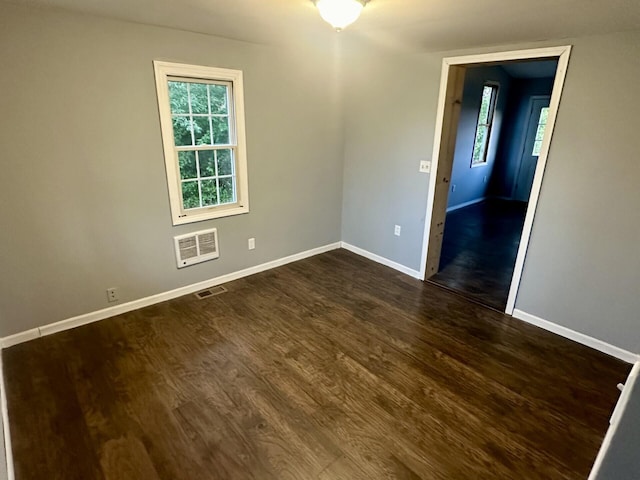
{"x": 202, "y": 130}
{"x": 227, "y": 190}
{"x": 227, "y": 194}
{"x": 220, "y": 130}
{"x": 199, "y": 98}
{"x": 537, "y": 146}
{"x": 182, "y": 131}
{"x": 187, "y": 161}
{"x": 190, "y": 195}
{"x": 544, "y": 115}
{"x": 542, "y": 125}
{"x": 224, "y": 162}
{"x": 218, "y": 97}
{"x": 207, "y": 165}
{"x": 479, "y": 145}
{"x": 179, "y": 97}
{"x": 485, "y": 106}
{"x": 209, "y": 193}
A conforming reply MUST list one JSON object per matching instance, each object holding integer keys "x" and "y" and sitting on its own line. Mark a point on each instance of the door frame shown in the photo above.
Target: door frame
{"x": 523, "y": 140}
{"x": 444, "y": 144}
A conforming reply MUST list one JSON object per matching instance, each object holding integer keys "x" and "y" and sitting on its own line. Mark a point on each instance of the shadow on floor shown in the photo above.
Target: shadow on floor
{"x": 479, "y": 250}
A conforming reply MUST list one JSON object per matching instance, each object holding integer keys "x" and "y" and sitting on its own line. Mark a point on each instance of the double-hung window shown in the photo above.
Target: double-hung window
{"x": 202, "y": 121}
{"x": 485, "y": 122}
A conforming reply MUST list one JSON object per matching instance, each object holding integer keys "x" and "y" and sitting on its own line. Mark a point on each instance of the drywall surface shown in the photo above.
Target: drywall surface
{"x": 512, "y": 138}
{"x": 621, "y": 460}
{"x": 583, "y": 264}
{"x": 83, "y": 187}
{"x": 582, "y": 270}
{"x": 389, "y": 110}
{"x": 472, "y": 183}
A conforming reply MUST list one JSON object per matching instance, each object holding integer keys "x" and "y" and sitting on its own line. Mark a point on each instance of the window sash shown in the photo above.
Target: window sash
{"x": 484, "y": 125}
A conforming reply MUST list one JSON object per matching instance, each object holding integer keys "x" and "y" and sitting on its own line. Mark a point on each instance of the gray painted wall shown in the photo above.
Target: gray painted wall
{"x": 621, "y": 460}
{"x": 83, "y": 186}
{"x": 516, "y": 117}
{"x": 473, "y": 183}
{"x": 583, "y": 264}
{"x": 582, "y": 270}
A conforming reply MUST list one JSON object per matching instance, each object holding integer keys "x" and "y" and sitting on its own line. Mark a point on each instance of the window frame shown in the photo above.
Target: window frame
{"x": 168, "y": 71}
{"x": 495, "y": 87}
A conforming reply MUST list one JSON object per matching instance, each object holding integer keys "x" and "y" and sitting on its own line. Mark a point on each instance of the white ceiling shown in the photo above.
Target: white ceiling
{"x": 425, "y": 25}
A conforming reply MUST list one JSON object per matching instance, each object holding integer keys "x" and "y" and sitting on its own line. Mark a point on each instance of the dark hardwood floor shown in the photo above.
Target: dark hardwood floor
{"x": 330, "y": 368}
{"x": 479, "y": 250}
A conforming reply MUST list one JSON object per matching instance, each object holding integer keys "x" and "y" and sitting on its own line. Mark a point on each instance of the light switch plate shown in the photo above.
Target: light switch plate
{"x": 425, "y": 166}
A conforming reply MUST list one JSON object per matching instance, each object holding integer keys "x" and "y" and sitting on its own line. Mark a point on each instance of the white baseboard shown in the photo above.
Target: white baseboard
{"x": 153, "y": 299}
{"x": 565, "y": 332}
{"x": 465, "y": 204}
{"x": 384, "y": 261}
{"x": 20, "y": 337}
{"x": 8, "y": 451}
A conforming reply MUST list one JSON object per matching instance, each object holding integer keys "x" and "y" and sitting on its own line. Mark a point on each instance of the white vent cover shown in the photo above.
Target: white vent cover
{"x": 196, "y": 247}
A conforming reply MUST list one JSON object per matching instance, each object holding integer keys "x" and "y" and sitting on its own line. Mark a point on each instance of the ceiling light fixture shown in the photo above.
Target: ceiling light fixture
{"x": 340, "y": 13}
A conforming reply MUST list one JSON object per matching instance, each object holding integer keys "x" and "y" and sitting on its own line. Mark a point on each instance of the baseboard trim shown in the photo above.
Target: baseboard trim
{"x": 96, "y": 316}
{"x": 20, "y": 337}
{"x": 382, "y": 260}
{"x": 581, "y": 338}
{"x": 466, "y": 204}
{"x": 6, "y": 432}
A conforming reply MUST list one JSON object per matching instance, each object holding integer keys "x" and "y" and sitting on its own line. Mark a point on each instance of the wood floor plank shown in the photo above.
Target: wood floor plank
{"x": 394, "y": 367}
{"x": 333, "y": 367}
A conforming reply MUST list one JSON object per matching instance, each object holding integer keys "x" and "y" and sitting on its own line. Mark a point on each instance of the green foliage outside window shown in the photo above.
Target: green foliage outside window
{"x": 483, "y": 129}
{"x": 200, "y": 116}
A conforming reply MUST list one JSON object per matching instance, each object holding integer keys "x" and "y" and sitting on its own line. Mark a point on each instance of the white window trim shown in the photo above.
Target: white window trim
{"x": 165, "y": 70}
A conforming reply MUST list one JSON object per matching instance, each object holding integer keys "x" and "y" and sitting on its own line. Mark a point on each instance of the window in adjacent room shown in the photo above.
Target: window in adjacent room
{"x": 485, "y": 121}
{"x": 542, "y": 125}
{"x": 202, "y": 121}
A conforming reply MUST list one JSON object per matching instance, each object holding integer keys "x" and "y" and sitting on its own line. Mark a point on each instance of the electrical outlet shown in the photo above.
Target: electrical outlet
{"x": 453, "y": 188}
{"x": 252, "y": 243}
{"x": 425, "y": 166}
{"x": 112, "y": 295}
{"x": 396, "y": 230}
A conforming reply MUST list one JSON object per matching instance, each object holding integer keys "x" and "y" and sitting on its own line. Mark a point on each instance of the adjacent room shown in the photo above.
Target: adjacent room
{"x": 319, "y": 239}
{"x": 499, "y": 138}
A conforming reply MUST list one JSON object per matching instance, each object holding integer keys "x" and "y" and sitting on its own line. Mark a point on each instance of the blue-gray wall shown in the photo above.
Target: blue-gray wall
{"x": 513, "y": 131}
{"x": 472, "y": 184}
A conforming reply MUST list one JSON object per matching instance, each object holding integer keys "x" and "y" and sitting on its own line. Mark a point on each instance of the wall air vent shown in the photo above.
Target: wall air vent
{"x": 196, "y": 247}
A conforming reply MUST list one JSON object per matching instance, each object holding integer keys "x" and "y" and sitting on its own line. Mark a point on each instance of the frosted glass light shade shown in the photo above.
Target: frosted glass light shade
{"x": 340, "y": 13}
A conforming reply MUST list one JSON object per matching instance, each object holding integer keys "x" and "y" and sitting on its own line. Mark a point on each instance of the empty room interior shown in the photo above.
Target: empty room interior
{"x": 320, "y": 240}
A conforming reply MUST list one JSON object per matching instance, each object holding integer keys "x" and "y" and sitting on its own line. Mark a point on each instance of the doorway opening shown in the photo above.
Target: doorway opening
{"x": 495, "y": 122}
